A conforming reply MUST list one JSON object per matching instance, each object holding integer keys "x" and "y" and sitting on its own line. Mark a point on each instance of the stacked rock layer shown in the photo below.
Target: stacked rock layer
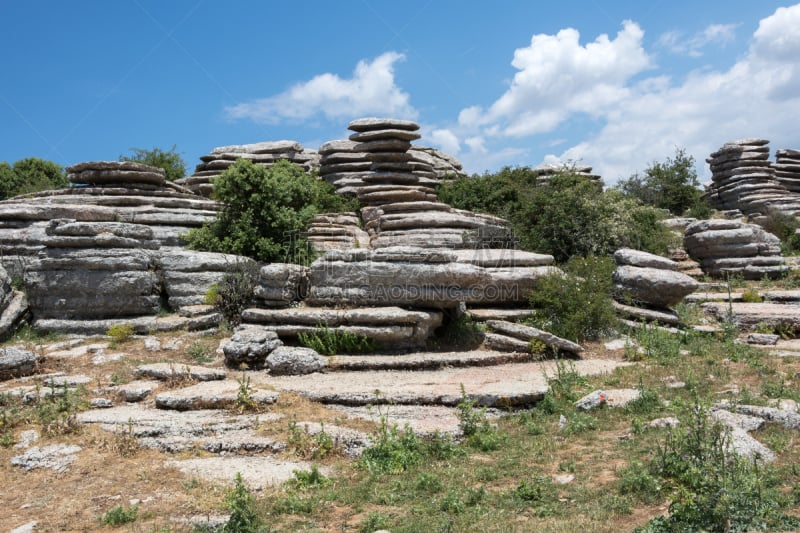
{"x": 787, "y": 169}
{"x": 732, "y": 247}
{"x": 263, "y": 153}
{"x": 13, "y": 305}
{"x": 547, "y": 171}
{"x": 647, "y": 285}
{"x": 744, "y": 179}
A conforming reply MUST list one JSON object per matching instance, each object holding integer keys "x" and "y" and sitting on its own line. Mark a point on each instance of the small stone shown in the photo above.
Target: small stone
{"x": 291, "y": 361}
{"x": 563, "y": 479}
{"x": 26, "y": 438}
{"x": 763, "y": 339}
{"x": 30, "y": 527}
{"x": 101, "y": 403}
{"x": 610, "y": 397}
{"x": 667, "y": 422}
{"x": 152, "y": 344}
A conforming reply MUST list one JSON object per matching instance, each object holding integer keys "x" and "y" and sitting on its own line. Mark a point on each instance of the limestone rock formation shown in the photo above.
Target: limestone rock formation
{"x": 13, "y": 305}
{"x": 281, "y": 284}
{"x": 263, "y": 153}
{"x": 15, "y": 363}
{"x": 294, "y": 360}
{"x": 725, "y": 247}
{"x": 250, "y": 346}
{"x": 647, "y": 285}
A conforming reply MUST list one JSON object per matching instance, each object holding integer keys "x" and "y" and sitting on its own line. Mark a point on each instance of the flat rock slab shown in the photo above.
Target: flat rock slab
{"x": 136, "y": 391}
{"x": 170, "y": 371}
{"x": 56, "y": 457}
{"x": 750, "y": 315}
{"x": 510, "y": 315}
{"x": 422, "y": 419}
{"x": 608, "y": 397}
{"x": 503, "y": 385}
{"x": 427, "y": 360}
{"x": 210, "y": 395}
{"x": 527, "y": 334}
{"x": 174, "y": 431}
{"x": 257, "y": 472}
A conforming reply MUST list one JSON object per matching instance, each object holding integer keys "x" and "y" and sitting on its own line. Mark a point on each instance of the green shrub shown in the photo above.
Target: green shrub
{"x": 265, "y": 211}
{"x": 392, "y": 451}
{"x": 328, "y": 341}
{"x": 170, "y": 160}
{"x": 120, "y": 333}
{"x": 119, "y": 515}
{"x": 309, "y": 478}
{"x": 566, "y": 216}
{"x": 576, "y": 305}
{"x": 30, "y": 175}
{"x": 637, "y": 480}
{"x": 235, "y": 292}
{"x": 785, "y": 228}
{"x": 751, "y": 296}
{"x": 671, "y": 185}
{"x": 718, "y": 490}
{"x": 244, "y": 516}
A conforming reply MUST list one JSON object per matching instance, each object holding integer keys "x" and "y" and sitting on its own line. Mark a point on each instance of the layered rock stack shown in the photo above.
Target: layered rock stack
{"x": 337, "y": 231}
{"x": 646, "y": 286}
{"x": 787, "y": 169}
{"x": 744, "y": 179}
{"x": 402, "y": 209}
{"x": 443, "y": 165}
{"x": 263, "y": 153}
{"x": 103, "y": 192}
{"x": 732, "y": 247}
{"x": 547, "y": 171}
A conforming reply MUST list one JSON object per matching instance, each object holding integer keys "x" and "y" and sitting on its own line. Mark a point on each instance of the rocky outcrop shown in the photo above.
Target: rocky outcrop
{"x": 417, "y": 277}
{"x": 336, "y": 231}
{"x": 787, "y": 169}
{"x": 732, "y": 247}
{"x": 647, "y": 285}
{"x": 264, "y": 154}
{"x": 15, "y": 363}
{"x": 13, "y": 305}
{"x": 295, "y": 361}
{"x": 250, "y": 347}
{"x": 546, "y": 172}
{"x": 281, "y": 284}
{"x": 744, "y": 179}
{"x": 509, "y": 336}
{"x": 390, "y": 327}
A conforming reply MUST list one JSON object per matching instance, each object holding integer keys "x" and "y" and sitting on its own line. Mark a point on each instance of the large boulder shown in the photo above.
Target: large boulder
{"x": 250, "y": 346}
{"x": 652, "y": 286}
{"x": 16, "y": 363}
{"x": 293, "y": 360}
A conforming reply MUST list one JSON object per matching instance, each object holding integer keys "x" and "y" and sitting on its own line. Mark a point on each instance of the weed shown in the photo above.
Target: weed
{"x": 689, "y": 313}
{"x": 647, "y": 403}
{"x": 442, "y": 446}
{"x": 751, "y": 296}
{"x": 452, "y": 503}
{"x": 460, "y": 333}
{"x": 578, "y": 423}
{"x": 244, "y": 516}
{"x": 120, "y": 333}
{"x": 311, "y": 478}
{"x": 328, "y": 341}
{"x": 293, "y": 504}
{"x": 200, "y": 352}
{"x": 235, "y": 292}
{"x": 428, "y": 483}
{"x": 536, "y": 489}
{"x": 392, "y": 451}
{"x": 56, "y": 410}
{"x": 472, "y": 421}
{"x": 374, "y": 522}
{"x": 125, "y": 443}
{"x": 119, "y": 515}
{"x": 244, "y": 396}
{"x": 309, "y": 446}
{"x": 717, "y": 490}
{"x": 637, "y": 481}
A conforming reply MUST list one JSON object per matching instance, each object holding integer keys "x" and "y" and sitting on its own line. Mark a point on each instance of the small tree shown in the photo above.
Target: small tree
{"x": 265, "y": 211}
{"x": 671, "y": 185}
{"x": 170, "y": 160}
{"x": 28, "y": 175}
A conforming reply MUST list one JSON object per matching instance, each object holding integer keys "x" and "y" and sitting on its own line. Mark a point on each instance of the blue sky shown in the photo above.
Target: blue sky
{"x": 615, "y": 85}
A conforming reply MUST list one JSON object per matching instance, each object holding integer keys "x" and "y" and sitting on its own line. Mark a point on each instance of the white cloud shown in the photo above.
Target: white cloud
{"x": 716, "y": 34}
{"x": 445, "y": 139}
{"x": 371, "y": 91}
{"x": 638, "y": 120}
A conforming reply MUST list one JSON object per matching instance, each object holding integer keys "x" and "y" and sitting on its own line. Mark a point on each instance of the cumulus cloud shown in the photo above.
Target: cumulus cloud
{"x": 371, "y": 90}
{"x": 637, "y": 114}
{"x": 714, "y": 34}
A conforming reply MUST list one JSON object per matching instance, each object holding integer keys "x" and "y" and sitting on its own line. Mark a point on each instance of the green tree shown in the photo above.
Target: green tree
{"x": 29, "y": 175}
{"x": 566, "y": 215}
{"x": 670, "y": 185}
{"x": 265, "y": 211}
{"x": 170, "y": 160}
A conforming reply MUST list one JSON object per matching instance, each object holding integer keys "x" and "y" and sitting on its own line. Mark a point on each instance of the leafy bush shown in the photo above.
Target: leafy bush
{"x": 751, "y": 296}
{"x": 244, "y": 516}
{"x": 328, "y": 341}
{"x": 576, "y": 305}
{"x": 309, "y": 478}
{"x": 120, "y": 332}
{"x": 234, "y": 293}
{"x": 671, "y": 185}
{"x": 170, "y": 160}
{"x": 265, "y": 211}
{"x": 119, "y": 515}
{"x": 785, "y": 228}
{"x": 30, "y": 175}
{"x": 392, "y": 451}
{"x": 565, "y": 216}
{"x": 718, "y": 490}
